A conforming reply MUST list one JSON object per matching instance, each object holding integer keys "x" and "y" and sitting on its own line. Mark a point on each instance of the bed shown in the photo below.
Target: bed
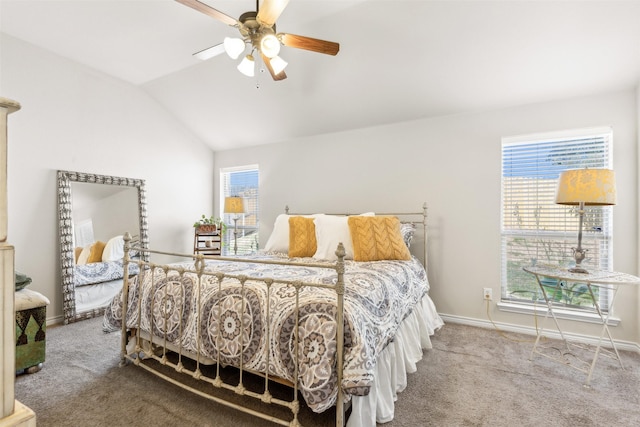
{"x": 331, "y": 300}
{"x": 97, "y": 283}
{"x": 98, "y": 273}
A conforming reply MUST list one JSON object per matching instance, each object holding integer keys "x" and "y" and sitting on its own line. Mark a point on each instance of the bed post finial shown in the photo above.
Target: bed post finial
{"x": 286, "y": 209}
{"x": 127, "y": 247}
{"x": 341, "y": 252}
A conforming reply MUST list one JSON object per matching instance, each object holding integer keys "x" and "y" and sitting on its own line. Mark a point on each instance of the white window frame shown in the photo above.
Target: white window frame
{"x": 248, "y": 224}
{"x": 551, "y": 216}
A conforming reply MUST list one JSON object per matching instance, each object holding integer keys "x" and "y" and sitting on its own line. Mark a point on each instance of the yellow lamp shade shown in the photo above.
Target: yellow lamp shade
{"x": 234, "y": 205}
{"x": 593, "y": 187}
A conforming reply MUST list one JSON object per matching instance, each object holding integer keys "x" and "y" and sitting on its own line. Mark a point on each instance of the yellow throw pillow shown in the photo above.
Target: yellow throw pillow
{"x": 377, "y": 238}
{"x": 96, "y": 252}
{"x": 302, "y": 237}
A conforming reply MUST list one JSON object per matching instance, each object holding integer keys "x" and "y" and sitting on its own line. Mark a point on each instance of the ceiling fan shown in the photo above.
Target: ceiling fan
{"x": 258, "y": 30}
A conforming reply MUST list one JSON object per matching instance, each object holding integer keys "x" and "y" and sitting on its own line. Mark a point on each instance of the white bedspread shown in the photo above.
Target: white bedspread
{"x": 397, "y": 360}
{"x": 379, "y": 296}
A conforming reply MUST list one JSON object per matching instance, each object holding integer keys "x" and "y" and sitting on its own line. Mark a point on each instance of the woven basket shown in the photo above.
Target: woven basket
{"x": 206, "y": 228}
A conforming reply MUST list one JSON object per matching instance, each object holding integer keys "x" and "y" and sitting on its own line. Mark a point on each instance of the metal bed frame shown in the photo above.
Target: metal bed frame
{"x": 157, "y": 348}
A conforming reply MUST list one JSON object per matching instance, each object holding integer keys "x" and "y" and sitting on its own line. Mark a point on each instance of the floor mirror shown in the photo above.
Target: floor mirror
{"x": 94, "y": 212}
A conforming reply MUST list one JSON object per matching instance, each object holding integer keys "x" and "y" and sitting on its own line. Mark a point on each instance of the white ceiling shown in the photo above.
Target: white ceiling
{"x": 399, "y": 60}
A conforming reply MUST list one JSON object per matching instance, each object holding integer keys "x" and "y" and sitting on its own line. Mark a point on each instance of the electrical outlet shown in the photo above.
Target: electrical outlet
{"x": 487, "y": 294}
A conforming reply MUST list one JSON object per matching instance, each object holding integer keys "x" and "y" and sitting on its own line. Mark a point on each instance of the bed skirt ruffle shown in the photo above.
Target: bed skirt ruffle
{"x": 394, "y": 363}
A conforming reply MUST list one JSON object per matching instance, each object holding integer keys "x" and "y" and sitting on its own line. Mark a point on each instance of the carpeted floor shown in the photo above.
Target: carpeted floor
{"x": 472, "y": 377}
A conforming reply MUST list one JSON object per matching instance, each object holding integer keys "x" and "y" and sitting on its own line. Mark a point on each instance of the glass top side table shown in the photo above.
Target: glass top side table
{"x": 550, "y": 280}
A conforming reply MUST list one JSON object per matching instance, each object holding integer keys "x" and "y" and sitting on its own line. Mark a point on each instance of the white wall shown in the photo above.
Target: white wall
{"x": 75, "y": 118}
{"x": 110, "y": 216}
{"x": 452, "y": 163}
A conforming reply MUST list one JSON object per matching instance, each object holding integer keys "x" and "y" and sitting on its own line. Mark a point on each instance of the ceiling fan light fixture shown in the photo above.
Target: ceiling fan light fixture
{"x": 278, "y": 64}
{"x": 258, "y": 31}
{"x": 269, "y": 45}
{"x": 247, "y": 66}
{"x": 233, "y": 46}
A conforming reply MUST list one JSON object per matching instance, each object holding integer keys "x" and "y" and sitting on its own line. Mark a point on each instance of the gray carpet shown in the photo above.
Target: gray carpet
{"x": 472, "y": 377}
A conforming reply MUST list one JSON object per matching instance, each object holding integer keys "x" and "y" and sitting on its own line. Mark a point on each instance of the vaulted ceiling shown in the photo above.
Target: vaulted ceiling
{"x": 399, "y": 60}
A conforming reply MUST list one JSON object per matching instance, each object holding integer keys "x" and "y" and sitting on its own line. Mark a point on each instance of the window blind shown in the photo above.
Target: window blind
{"x": 534, "y": 228}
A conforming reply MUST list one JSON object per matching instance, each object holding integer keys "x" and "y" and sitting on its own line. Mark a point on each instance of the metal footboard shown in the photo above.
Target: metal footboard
{"x": 161, "y": 350}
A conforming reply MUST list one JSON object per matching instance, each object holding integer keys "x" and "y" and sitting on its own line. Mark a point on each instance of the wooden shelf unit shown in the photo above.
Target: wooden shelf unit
{"x": 207, "y": 243}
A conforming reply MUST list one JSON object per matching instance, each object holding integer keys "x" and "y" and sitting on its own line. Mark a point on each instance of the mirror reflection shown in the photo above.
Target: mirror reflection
{"x": 94, "y": 212}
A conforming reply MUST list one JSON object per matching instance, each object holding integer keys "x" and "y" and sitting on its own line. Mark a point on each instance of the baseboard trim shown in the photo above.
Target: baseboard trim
{"x": 542, "y": 310}
{"x": 528, "y": 330}
{"x": 56, "y": 320}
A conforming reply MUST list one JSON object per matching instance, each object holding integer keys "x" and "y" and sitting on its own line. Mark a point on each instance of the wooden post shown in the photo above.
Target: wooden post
{"x": 13, "y": 413}
{"x": 7, "y": 107}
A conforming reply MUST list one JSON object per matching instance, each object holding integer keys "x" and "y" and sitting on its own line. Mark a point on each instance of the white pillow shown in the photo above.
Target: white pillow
{"x": 84, "y": 255}
{"x": 279, "y": 239}
{"x": 331, "y": 230}
{"x": 114, "y": 249}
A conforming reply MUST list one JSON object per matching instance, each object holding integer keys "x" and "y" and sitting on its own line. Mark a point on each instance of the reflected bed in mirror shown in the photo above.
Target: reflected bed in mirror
{"x": 94, "y": 211}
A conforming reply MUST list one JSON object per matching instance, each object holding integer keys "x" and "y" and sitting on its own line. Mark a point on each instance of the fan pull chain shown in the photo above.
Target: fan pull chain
{"x": 261, "y": 71}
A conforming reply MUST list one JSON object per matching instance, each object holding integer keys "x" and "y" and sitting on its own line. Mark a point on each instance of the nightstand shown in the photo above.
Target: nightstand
{"x": 207, "y": 243}
{"x": 596, "y": 279}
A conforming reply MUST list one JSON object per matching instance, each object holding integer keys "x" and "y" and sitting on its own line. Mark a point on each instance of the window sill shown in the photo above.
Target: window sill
{"x": 541, "y": 310}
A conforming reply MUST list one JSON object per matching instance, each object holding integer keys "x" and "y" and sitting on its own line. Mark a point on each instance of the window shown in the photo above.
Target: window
{"x": 241, "y": 182}
{"x": 535, "y": 229}
{"x": 83, "y": 233}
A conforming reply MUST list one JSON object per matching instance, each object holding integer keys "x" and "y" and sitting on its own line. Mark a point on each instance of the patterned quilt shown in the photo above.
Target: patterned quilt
{"x": 378, "y": 296}
{"x": 98, "y": 272}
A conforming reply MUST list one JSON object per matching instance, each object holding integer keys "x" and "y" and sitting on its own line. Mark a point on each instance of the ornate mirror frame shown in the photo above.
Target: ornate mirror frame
{"x": 65, "y": 232}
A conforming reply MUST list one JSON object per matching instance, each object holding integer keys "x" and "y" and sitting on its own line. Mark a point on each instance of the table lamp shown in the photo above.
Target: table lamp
{"x": 585, "y": 187}
{"x": 234, "y": 205}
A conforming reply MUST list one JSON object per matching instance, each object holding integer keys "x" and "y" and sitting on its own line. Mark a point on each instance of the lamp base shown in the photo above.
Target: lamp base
{"x": 578, "y": 270}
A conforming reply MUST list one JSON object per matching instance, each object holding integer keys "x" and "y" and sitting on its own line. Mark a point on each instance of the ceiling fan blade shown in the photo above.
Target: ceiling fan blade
{"x": 270, "y": 11}
{"x": 308, "y": 43}
{"x": 208, "y": 10}
{"x": 210, "y": 52}
{"x": 280, "y": 76}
